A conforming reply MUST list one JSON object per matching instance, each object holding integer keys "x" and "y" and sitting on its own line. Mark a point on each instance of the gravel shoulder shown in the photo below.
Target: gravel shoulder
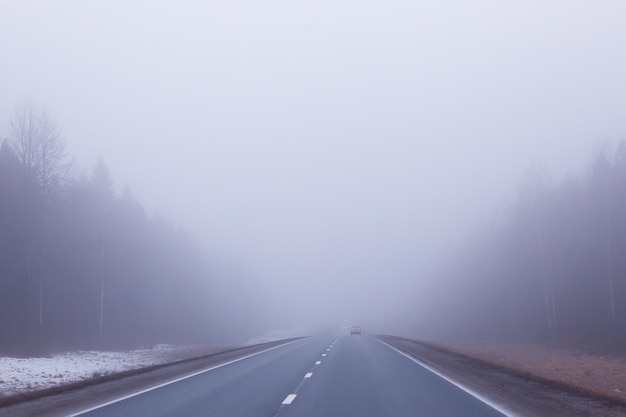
{"x": 517, "y": 390}
{"x": 71, "y": 398}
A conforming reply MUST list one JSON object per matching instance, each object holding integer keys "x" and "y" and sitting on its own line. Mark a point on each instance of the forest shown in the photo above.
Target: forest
{"x": 551, "y": 266}
{"x": 81, "y": 266}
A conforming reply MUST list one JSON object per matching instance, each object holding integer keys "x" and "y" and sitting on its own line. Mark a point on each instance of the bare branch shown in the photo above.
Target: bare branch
{"x": 36, "y": 139}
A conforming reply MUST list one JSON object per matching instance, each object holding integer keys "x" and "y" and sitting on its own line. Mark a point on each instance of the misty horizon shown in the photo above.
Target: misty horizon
{"x": 326, "y": 158}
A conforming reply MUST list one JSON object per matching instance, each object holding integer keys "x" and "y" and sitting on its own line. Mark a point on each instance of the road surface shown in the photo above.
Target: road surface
{"x": 319, "y": 376}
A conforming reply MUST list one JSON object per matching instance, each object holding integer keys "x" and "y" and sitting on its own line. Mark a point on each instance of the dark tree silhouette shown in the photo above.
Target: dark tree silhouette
{"x": 80, "y": 266}
{"x": 554, "y": 267}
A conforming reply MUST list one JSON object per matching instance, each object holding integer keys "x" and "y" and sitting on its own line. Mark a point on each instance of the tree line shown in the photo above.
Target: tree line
{"x": 81, "y": 266}
{"x": 552, "y": 266}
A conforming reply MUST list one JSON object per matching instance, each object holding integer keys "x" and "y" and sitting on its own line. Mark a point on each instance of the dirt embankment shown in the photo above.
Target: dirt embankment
{"x": 528, "y": 380}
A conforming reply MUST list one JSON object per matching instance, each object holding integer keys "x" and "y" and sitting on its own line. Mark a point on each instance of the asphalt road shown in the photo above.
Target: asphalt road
{"x": 319, "y": 376}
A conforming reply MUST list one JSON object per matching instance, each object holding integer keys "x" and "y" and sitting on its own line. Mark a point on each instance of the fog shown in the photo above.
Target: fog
{"x": 326, "y": 156}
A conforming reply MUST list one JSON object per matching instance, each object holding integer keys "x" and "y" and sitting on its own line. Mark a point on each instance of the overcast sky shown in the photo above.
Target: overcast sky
{"x": 331, "y": 149}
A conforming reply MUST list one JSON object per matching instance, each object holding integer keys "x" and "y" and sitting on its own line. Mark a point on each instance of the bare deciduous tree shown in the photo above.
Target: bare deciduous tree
{"x": 40, "y": 148}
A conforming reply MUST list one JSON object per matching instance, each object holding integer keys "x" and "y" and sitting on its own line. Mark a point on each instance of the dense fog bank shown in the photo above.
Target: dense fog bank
{"x": 81, "y": 266}
{"x": 551, "y": 266}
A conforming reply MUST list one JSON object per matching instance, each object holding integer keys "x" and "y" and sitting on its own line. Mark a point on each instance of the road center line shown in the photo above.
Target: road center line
{"x": 308, "y": 375}
{"x": 289, "y": 399}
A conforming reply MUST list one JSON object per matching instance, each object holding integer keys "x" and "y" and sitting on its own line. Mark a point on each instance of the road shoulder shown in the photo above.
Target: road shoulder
{"x": 522, "y": 394}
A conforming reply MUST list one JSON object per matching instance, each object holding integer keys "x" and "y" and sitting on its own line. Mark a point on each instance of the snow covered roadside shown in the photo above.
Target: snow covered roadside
{"x": 22, "y": 375}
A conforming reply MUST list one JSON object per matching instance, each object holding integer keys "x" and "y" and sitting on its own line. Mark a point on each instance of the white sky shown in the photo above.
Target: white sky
{"x": 322, "y": 146}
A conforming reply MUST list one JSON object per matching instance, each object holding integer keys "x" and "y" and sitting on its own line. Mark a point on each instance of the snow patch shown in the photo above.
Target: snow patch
{"x": 20, "y": 375}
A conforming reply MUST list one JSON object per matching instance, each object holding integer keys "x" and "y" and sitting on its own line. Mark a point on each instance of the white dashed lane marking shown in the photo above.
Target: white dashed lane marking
{"x": 289, "y": 399}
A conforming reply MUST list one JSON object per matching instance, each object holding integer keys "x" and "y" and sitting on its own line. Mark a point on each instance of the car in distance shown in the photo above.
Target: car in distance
{"x": 355, "y": 330}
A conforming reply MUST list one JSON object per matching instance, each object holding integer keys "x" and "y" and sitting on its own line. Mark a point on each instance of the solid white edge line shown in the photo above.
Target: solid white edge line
{"x": 289, "y": 399}
{"x": 87, "y": 410}
{"x": 309, "y": 375}
{"x": 498, "y": 407}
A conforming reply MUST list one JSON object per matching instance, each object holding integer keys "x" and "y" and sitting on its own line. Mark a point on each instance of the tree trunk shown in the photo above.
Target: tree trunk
{"x": 101, "y": 288}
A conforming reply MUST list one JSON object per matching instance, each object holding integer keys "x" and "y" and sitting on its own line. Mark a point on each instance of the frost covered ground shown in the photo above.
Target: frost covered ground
{"x": 20, "y": 375}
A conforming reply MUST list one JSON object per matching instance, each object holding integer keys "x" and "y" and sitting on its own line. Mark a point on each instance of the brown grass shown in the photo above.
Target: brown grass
{"x": 602, "y": 374}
